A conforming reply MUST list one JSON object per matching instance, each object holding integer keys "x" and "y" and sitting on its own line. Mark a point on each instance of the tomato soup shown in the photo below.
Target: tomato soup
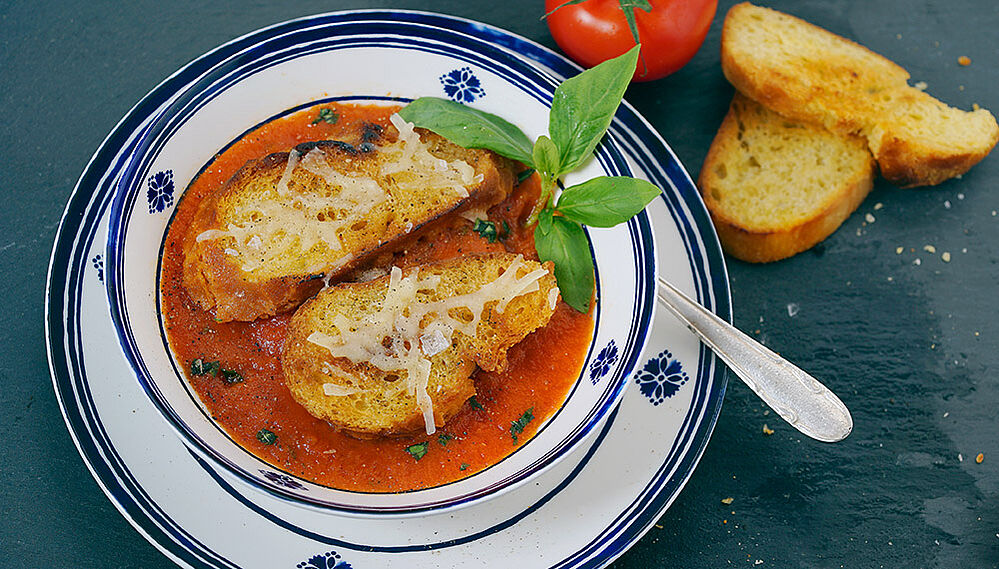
{"x": 258, "y": 411}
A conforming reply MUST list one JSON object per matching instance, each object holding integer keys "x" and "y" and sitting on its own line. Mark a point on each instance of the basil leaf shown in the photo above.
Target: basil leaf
{"x": 544, "y": 222}
{"x": 546, "y": 155}
{"x": 606, "y": 201}
{"x": 584, "y": 106}
{"x": 469, "y": 128}
{"x": 565, "y": 245}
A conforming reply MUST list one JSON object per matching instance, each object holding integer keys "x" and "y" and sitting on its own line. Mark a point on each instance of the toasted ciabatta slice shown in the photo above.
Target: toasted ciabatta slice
{"x": 807, "y": 73}
{"x": 396, "y": 355}
{"x": 267, "y": 240}
{"x": 776, "y": 187}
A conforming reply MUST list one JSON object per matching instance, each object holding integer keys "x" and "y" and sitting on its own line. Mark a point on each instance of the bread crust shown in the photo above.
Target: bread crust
{"x": 851, "y": 90}
{"x": 776, "y": 238}
{"x": 216, "y": 281}
{"x": 384, "y": 408}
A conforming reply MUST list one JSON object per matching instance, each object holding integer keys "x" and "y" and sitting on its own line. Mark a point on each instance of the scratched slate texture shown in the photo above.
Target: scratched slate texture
{"x": 908, "y": 340}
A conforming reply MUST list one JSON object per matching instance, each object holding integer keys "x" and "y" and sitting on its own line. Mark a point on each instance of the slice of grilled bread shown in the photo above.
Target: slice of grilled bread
{"x": 775, "y": 187}
{"x": 283, "y": 224}
{"x": 807, "y": 73}
{"x": 396, "y": 354}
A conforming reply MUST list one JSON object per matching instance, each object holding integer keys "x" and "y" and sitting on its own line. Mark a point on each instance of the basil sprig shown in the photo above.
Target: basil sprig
{"x": 582, "y": 110}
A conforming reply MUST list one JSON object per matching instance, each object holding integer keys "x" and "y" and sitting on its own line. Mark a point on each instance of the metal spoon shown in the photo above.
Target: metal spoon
{"x": 796, "y": 396}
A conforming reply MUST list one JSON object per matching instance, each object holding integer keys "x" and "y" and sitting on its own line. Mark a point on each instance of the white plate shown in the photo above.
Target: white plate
{"x": 584, "y": 512}
{"x": 361, "y": 62}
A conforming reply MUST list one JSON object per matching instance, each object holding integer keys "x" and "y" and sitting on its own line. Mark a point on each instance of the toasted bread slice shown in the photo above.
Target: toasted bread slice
{"x": 807, "y": 73}
{"x": 396, "y": 354}
{"x": 775, "y": 187}
{"x": 283, "y": 224}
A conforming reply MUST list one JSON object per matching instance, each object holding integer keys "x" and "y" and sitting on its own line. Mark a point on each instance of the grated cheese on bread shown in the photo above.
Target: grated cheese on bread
{"x": 396, "y": 354}
{"x": 808, "y": 74}
{"x": 285, "y": 224}
{"x": 775, "y": 187}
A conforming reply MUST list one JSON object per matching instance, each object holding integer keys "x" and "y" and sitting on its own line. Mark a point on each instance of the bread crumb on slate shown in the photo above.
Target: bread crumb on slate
{"x": 727, "y": 501}
{"x": 980, "y": 458}
{"x": 929, "y": 248}
{"x": 945, "y": 256}
{"x": 964, "y": 60}
{"x": 767, "y": 430}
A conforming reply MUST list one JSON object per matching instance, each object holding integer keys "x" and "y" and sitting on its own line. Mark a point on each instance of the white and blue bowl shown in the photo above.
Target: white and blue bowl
{"x": 341, "y": 60}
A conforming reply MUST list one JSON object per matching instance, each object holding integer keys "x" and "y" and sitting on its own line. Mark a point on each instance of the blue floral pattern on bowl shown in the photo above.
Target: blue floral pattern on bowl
{"x": 603, "y": 362}
{"x": 328, "y": 560}
{"x": 661, "y": 377}
{"x": 462, "y": 85}
{"x": 160, "y": 192}
{"x": 282, "y": 480}
{"x": 98, "y": 263}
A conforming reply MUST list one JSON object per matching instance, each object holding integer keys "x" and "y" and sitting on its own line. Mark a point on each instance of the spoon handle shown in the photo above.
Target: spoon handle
{"x": 796, "y": 396}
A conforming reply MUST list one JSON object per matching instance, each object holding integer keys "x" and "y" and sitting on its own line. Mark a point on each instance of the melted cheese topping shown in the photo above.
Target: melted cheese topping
{"x": 411, "y": 161}
{"x": 407, "y": 331}
{"x": 279, "y": 225}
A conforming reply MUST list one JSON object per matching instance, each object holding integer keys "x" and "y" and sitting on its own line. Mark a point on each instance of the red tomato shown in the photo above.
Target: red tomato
{"x": 596, "y": 30}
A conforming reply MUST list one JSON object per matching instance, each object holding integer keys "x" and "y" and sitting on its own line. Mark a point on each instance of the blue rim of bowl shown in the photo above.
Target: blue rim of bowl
{"x": 90, "y": 199}
{"x": 272, "y": 50}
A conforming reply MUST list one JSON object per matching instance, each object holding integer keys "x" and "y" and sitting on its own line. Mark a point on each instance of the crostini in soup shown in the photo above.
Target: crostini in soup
{"x": 290, "y": 221}
{"x": 396, "y": 354}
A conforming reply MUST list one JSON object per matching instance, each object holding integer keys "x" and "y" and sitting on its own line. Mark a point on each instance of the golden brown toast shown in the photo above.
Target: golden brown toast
{"x": 776, "y": 187}
{"x": 283, "y": 224}
{"x": 806, "y": 73}
{"x": 396, "y": 354}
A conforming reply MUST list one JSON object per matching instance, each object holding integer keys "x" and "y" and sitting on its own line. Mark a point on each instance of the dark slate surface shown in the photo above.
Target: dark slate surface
{"x": 910, "y": 347}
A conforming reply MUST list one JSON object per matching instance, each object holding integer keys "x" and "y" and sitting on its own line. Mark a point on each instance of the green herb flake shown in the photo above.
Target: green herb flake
{"x": 266, "y": 437}
{"x": 444, "y": 439}
{"x": 419, "y": 450}
{"x": 231, "y": 376}
{"x": 201, "y": 367}
{"x": 486, "y": 229}
{"x": 475, "y": 404}
{"x": 517, "y": 427}
{"x": 328, "y": 116}
{"x": 464, "y": 466}
{"x": 524, "y": 175}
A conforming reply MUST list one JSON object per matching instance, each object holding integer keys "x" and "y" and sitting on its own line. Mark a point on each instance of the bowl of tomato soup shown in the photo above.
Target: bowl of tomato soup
{"x": 221, "y": 385}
